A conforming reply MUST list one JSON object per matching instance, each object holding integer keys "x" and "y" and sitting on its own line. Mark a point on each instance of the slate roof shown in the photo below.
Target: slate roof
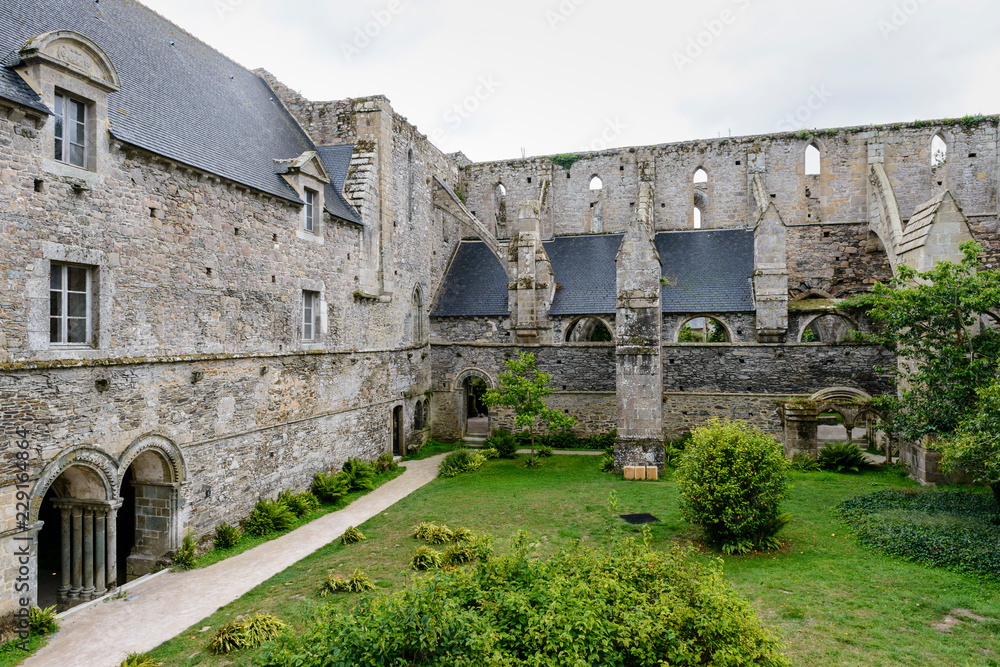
{"x": 337, "y": 160}
{"x": 476, "y": 284}
{"x": 179, "y": 97}
{"x": 711, "y": 268}
{"x": 918, "y": 229}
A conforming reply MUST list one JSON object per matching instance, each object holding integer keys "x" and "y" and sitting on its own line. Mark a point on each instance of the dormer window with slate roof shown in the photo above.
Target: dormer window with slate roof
{"x": 308, "y": 175}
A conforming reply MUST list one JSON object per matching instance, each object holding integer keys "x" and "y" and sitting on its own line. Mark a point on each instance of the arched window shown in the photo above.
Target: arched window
{"x": 409, "y": 185}
{"x": 697, "y": 217}
{"x": 939, "y": 151}
{"x": 828, "y": 329}
{"x": 500, "y": 206}
{"x": 700, "y": 176}
{"x": 419, "y": 416}
{"x": 596, "y": 183}
{"x": 813, "y": 165}
{"x": 418, "y": 315}
{"x": 589, "y": 330}
{"x": 703, "y": 330}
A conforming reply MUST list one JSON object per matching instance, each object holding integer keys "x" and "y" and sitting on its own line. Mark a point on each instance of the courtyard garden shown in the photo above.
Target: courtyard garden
{"x": 829, "y": 600}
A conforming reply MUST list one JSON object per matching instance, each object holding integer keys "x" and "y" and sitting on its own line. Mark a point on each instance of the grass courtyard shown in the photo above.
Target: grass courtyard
{"x": 831, "y": 601}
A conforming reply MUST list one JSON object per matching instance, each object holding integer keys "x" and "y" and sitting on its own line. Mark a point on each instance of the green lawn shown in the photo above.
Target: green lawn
{"x": 832, "y": 602}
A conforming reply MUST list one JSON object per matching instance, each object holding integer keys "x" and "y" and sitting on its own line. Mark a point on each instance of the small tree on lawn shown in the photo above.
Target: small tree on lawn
{"x": 523, "y": 388}
{"x": 975, "y": 445}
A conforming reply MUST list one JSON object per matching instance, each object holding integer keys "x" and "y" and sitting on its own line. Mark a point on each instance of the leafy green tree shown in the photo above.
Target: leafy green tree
{"x": 931, "y": 321}
{"x": 523, "y": 388}
{"x": 975, "y": 445}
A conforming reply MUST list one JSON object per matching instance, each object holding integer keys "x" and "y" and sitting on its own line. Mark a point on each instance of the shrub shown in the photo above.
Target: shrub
{"x": 638, "y": 606}
{"x": 329, "y": 487}
{"x": 608, "y": 463}
{"x": 732, "y": 480}
{"x": 505, "y": 443}
{"x": 226, "y": 536}
{"x": 352, "y": 536}
{"x": 544, "y": 451}
{"x": 425, "y": 558}
{"x": 674, "y": 448}
{"x": 459, "y": 461}
{"x": 186, "y": 553}
{"x": 843, "y": 457}
{"x": 356, "y": 583}
{"x": 269, "y": 516}
{"x": 422, "y": 530}
{"x": 804, "y": 462}
{"x": 956, "y": 530}
{"x": 482, "y": 546}
{"x": 458, "y": 554}
{"x": 490, "y": 453}
{"x": 42, "y": 621}
{"x": 248, "y": 632}
{"x": 300, "y": 504}
{"x": 462, "y": 534}
{"x": 560, "y": 440}
{"x": 386, "y": 463}
{"x": 358, "y": 474}
{"x": 138, "y": 660}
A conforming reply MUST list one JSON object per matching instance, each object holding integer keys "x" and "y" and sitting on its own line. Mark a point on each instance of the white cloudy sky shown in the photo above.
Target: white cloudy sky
{"x": 566, "y": 75}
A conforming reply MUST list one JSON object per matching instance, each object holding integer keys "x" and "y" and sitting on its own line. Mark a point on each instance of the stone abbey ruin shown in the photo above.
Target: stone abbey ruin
{"x": 212, "y": 288}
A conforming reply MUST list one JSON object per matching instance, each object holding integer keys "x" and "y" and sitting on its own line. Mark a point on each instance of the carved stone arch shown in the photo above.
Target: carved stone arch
{"x": 74, "y": 53}
{"x": 101, "y": 467}
{"x": 840, "y": 394}
{"x": 715, "y": 318}
{"x": 576, "y": 321}
{"x": 473, "y": 372}
{"x": 175, "y": 470}
{"x": 808, "y": 321}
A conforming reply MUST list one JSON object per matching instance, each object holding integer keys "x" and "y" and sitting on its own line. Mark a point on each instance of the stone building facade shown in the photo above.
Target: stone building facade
{"x": 212, "y": 288}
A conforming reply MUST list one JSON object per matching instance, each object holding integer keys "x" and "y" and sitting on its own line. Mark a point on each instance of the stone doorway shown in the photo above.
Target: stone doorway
{"x": 477, "y": 415}
{"x": 148, "y": 518}
{"x": 397, "y": 431}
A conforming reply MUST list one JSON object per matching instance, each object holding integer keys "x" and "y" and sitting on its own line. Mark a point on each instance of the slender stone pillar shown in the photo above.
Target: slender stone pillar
{"x": 88, "y": 554}
{"x": 100, "y": 542}
{"x": 112, "y": 550}
{"x": 76, "y": 557}
{"x": 65, "y": 545}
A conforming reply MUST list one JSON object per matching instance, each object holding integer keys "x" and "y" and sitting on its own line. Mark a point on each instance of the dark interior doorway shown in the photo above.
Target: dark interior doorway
{"x": 49, "y": 552}
{"x": 477, "y": 414}
{"x": 397, "y": 431}
{"x": 126, "y": 525}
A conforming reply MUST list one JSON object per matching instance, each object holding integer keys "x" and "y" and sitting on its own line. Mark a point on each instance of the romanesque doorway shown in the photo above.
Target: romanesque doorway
{"x": 148, "y": 517}
{"x": 397, "y": 431}
{"x": 477, "y": 415}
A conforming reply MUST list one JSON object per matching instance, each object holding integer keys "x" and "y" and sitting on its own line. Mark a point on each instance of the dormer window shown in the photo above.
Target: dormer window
{"x": 71, "y": 131}
{"x": 310, "y": 212}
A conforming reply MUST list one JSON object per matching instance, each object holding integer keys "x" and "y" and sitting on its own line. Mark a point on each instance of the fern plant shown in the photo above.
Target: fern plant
{"x": 425, "y": 558}
{"x": 358, "y": 582}
{"x": 358, "y": 474}
{"x": 352, "y": 536}
{"x": 185, "y": 555}
{"x": 300, "y": 504}
{"x": 329, "y": 487}
{"x": 226, "y": 536}
{"x": 269, "y": 516}
{"x": 843, "y": 457}
{"x": 42, "y": 621}
{"x": 248, "y": 632}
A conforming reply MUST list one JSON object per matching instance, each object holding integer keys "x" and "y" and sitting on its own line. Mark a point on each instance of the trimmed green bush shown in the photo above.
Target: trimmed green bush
{"x": 226, "y": 536}
{"x": 352, "y": 536}
{"x": 628, "y": 606}
{"x": 425, "y": 558}
{"x": 269, "y": 516}
{"x": 358, "y": 582}
{"x": 43, "y": 621}
{"x": 843, "y": 457}
{"x": 185, "y": 554}
{"x": 249, "y": 632}
{"x": 732, "y": 479}
{"x": 459, "y": 461}
{"x": 957, "y": 530}
{"x": 329, "y": 487}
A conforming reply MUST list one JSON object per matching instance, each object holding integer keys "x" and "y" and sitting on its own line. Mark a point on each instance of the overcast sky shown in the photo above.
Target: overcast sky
{"x": 558, "y": 76}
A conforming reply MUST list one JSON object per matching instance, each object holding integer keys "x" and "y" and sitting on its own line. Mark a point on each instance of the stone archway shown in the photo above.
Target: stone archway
{"x": 72, "y": 509}
{"x": 827, "y": 328}
{"x": 800, "y": 417}
{"x": 152, "y": 472}
{"x": 472, "y": 384}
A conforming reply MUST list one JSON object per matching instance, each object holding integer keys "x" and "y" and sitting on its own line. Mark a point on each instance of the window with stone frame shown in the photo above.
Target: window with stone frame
{"x": 70, "y": 304}
{"x": 70, "y": 130}
{"x": 310, "y": 210}
{"x": 310, "y": 311}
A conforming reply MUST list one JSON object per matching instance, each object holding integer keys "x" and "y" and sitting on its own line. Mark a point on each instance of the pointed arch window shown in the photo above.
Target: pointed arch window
{"x": 596, "y": 183}
{"x": 697, "y": 217}
{"x": 939, "y": 151}
{"x": 409, "y": 185}
{"x": 700, "y": 176}
{"x": 813, "y": 160}
{"x": 418, "y": 315}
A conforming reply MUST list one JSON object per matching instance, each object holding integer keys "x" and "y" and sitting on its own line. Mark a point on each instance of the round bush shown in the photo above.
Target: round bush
{"x": 732, "y": 479}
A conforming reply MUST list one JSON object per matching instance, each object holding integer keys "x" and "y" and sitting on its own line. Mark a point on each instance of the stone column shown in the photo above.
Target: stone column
{"x": 88, "y": 554}
{"x": 801, "y": 422}
{"x": 532, "y": 282}
{"x": 112, "y": 550}
{"x": 76, "y": 557}
{"x": 770, "y": 277}
{"x": 100, "y": 542}
{"x": 65, "y": 547}
{"x": 639, "y": 345}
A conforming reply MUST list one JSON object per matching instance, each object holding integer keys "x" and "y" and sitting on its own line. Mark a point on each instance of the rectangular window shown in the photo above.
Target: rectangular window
{"x": 310, "y": 302}
{"x": 310, "y": 210}
{"x": 70, "y": 304}
{"x": 71, "y": 131}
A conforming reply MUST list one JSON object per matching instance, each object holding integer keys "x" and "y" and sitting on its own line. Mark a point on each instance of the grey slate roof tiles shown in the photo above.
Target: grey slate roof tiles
{"x": 708, "y": 271}
{"x": 179, "y": 97}
{"x": 337, "y": 160}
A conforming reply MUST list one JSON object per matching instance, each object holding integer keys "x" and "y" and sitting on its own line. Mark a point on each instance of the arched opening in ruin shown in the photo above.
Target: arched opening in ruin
{"x": 473, "y": 385}
{"x": 420, "y": 416}
{"x": 500, "y": 209}
{"x": 939, "y": 151}
{"x": 417, "y": 315}
{"x": 410, "y": 184}
{"x": 397, "y": 431}
{"x": 700, "y": 176}
{"x": 814, "y": 164}
{"x": 596, "y": 183}
{"x": 697, "y": 217}
{"x": 589, "y": 330}
{"x": 829, "y": 328}
{"x": 148, "y": 519}
{"x": 704, "y": 329}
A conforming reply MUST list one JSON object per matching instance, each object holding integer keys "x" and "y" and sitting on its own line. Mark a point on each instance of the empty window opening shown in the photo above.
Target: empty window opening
{"x": 700, "y": 176}
{"x": 697, "y": 218}
{"x": 589, "y": 330}
{"x": 596, "y": 183}
{"x": 39, "y": 185}
{"x": 828, "y": 329}
{"x": 500, "y": 209}
{"x": 939, "y": 151}
{"x": 208, "y": 270}
{"x": 813, "y": 165}
{"x": 703, "y": 330}
{"x": 409, "y": 185}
